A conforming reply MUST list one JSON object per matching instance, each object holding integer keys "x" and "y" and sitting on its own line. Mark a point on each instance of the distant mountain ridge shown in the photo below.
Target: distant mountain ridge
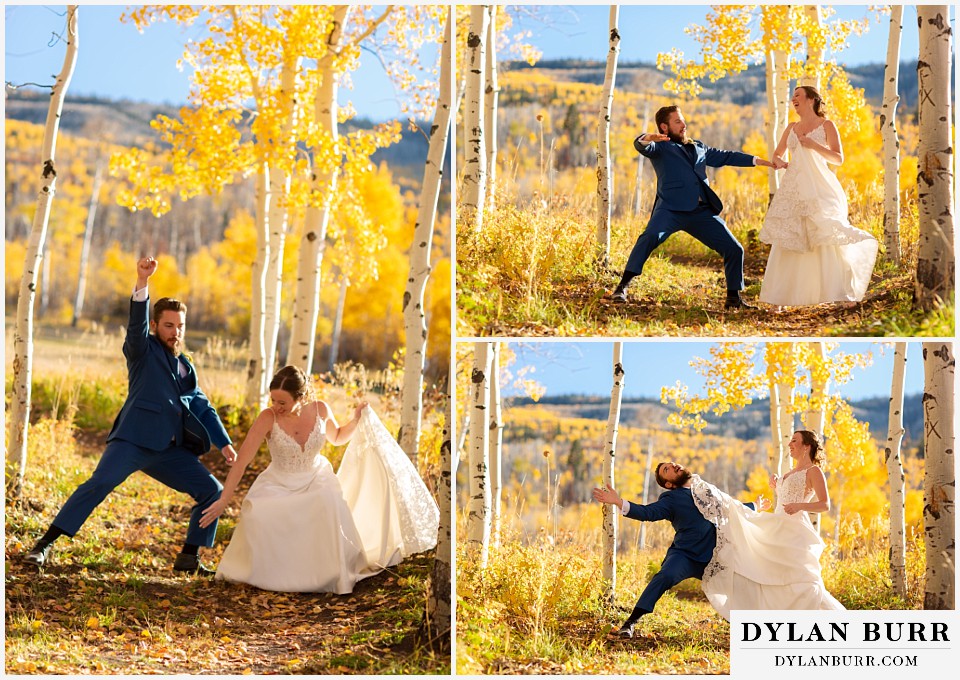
{"x": 752, "y": 423}
{"x": 128, "y": 123}
{"x": 744, "y": 88}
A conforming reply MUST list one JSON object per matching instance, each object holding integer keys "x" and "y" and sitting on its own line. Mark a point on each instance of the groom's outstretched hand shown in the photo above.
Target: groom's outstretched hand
{"x": 607, "y": 495}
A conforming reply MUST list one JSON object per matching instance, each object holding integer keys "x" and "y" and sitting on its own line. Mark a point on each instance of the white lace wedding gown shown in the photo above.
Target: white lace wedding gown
{"x": 762, "y": 560}
{"x": 303, "y": 528}
{"x": 816, "y": 254}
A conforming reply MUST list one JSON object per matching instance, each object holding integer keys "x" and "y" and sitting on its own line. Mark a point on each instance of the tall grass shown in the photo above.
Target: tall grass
{"x": 539, "y": 607}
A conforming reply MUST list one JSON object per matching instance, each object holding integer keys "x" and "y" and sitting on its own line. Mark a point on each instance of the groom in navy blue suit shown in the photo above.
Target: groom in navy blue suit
{"x": 692, "y": 547}
{"x": 685, "y": 201}
{"x": 165, "y": 424}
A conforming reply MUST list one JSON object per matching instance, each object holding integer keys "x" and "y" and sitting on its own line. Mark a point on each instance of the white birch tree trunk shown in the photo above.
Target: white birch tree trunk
{"x": 939, "y": 481}
{"x": 491, "y": 97}
{"x": 610, "y": 513}
{"x": 278, "y": 216}
{"x": 414, "y": 314}
{"x": 338, "y": 320}
{"x": 811, "y": 74}
{"x": 474, "y": 124}
{"x": 815, "y": 417}
{"x": 604, "y": 177}
{"x": 782, "y": 90}
{"x": 478, "y": 513}
{"x": 439, "y": 603}
{"x": 773, "y": 118}
{"x": 306, "y": 304}
{"x": 936, "y": 262}
{"x": 785, "y": 420}
{"x": 496, "y": 446}
{"x": 638, "y": 186}
{"x": 256, "y": 366}
{"x": 776, "y": 440}
{"x": 891, "y": 142}
{"x": 647, "y": 476}
{"x": 23, "y": 330}
{"x": 895, "y": 478}
{"x": 87, "y": 238}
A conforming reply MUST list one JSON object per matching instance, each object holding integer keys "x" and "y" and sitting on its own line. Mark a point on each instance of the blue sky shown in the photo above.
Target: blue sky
{"x": 586, "y": 367}
{"x": 581, "y": 31}
{"x": 117, "y": 62}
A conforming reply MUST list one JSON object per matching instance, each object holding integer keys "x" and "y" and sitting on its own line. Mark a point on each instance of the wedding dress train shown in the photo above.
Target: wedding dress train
{"x": 762, "y": 560}
{"x": 303, "y": 528}
{"x": 816, "y": 254}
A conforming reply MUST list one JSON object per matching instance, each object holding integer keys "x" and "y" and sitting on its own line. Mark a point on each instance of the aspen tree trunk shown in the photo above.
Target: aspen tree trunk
{"x": 278, "y": 221}
{"x": 338, "y": 320}
{"x": 891, "y": 454}
{"x": 782, "y": 90}
{"x": 439, "y": 599}
{"x": 257, "y": 362}
{"x": 891, "y": 143}
{"x": 939, "y": 481}
{"x": 815, "y": 417}
{"x": 638, "y": 187}
{"x": 776, "y": 439}
{"x": 414, "y": 314}
{"x": 609, "y": 512}
{"x": 474, "y": 123}
{"x": 811, "y": 74}
{"x": 23, "y": 330}
{"x": 87, "y": 238}
{"x": 496, "y": 445}
{"x": 604, "y": 177}
{"x": 306, "y": 304}
{"x": 785, "y": 420}
{"x": 647, "y": 475}
{"x": 773, "y": 118}
{"x": 478, "y": 514}
{"x": 491, "y": 96}
{"x": 935, "y": 263}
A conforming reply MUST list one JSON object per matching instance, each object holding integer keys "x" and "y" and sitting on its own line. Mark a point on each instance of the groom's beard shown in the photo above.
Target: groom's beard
{"x": 679, "y": 139}
{"x": 682, "y": 478}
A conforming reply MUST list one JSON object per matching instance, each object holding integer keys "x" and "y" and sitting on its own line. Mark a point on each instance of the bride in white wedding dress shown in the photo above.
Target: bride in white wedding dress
{"x": 303, "y": 528}
{"x": 816, "y": 255}
{"x": 769, "y": 560}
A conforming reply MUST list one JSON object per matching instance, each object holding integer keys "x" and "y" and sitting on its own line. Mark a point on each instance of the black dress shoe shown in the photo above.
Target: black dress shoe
{"x": 620, "y": 295}
{"x": 626, "y": 631}
{"x": 191, "y": 563}
{"x": 38, "y": 556}
{"x": 735, "y": 302}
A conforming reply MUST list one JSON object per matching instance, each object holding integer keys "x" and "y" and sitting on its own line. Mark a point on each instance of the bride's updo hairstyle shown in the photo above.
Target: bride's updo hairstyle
{"x": 812, "y": 440}
{"x": 818, "y": 106}
{"x": 293, "y": 381}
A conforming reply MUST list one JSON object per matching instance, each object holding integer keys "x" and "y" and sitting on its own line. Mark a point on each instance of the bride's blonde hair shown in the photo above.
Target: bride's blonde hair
{"x": 293, "y": 381}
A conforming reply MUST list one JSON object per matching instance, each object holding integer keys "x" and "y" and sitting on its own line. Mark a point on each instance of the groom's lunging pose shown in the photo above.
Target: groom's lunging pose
{"x": 165, "y": 424}
{"x": 685, "y": 201}
{"x": 692, "y": 547}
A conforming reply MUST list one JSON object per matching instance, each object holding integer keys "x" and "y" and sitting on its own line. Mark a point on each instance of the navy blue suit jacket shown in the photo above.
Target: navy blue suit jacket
{"x": 680, "y": 179}
{"x": 695, "y": 536}
{"x": 161, "y": 407}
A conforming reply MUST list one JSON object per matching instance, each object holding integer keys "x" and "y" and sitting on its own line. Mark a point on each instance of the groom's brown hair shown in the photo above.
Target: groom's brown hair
{"x": 662, "y": 116}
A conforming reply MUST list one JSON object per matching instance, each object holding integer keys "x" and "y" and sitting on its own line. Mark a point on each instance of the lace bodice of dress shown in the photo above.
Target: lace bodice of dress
{"x": 818, "y": 134}
{"x": 792, "y": 489}
{"x": 289, "y": 456}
